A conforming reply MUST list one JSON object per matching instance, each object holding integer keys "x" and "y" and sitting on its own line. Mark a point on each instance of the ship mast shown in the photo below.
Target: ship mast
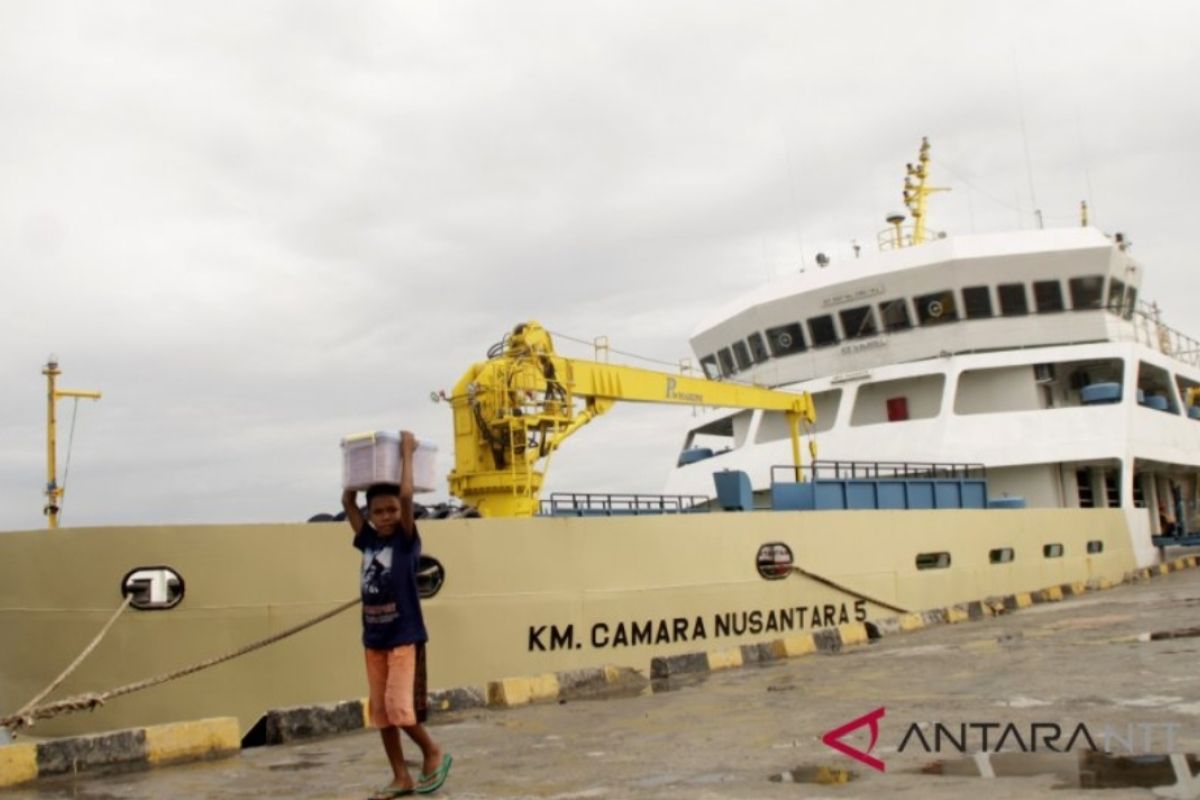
{"x": 916, "y": 192}
{"x": 53, "y": 490}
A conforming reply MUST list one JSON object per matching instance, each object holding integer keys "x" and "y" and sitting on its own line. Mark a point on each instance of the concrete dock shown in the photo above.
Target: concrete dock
{"x": 1118, "y": 669}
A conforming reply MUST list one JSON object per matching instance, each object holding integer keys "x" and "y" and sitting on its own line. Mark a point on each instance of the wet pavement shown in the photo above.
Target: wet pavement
{"x": 1054, "y": 676}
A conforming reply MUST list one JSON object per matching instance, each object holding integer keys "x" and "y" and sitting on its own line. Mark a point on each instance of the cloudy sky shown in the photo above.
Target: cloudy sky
{"x": 257, "y": 227}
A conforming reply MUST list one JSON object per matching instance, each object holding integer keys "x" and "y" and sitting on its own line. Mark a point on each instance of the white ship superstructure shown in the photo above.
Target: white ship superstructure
{"x": 1026, "y": 352}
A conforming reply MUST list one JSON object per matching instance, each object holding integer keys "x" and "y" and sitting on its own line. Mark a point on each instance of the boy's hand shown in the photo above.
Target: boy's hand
{"x": 408, "y": 442}
{"x": 350, "y": 497}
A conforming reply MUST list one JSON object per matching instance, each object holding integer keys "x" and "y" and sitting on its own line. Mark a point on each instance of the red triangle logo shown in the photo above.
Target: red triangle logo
{"x": 834, "y": 739}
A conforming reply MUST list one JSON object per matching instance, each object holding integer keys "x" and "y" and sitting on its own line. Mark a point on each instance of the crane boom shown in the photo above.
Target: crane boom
{"x": 514, "y": 410}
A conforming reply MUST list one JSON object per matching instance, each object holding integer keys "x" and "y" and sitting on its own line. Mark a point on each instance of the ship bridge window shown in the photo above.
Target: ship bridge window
{"x": 1048, "y": 296}
{"x": 742, "y": 354}
{"x": 726, "y": 359}
{"x": 1086, "y": 292}
{"x": 977, "y": 302}
{"x": 894, "y": 314}
{"x": 1116, "y": 296}
{"x": 858, "y": 323}
{"x": 758, "y": 348}
{"x": 1012, "y": 299}
{"x": 936, "y": 308}
{"x": 1130, "y": 301}
{"x": 711, "y": 370}
{"x": 822, "y": 331}
{"x": 774, "y": 425}
{"x": 786, "y": 339}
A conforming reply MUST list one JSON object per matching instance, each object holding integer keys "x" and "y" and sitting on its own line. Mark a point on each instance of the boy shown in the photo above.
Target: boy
{"x": 393, "y": 628}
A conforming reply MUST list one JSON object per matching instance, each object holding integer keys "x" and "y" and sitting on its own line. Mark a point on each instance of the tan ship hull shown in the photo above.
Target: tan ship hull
{"x": 507, "y": 581}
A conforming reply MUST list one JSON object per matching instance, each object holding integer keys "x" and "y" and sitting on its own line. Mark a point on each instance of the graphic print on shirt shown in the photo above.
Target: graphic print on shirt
{"x": 377, "y": 586}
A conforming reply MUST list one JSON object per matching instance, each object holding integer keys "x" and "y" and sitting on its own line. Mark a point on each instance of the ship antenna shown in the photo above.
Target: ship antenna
{"x": 916, "y": 191}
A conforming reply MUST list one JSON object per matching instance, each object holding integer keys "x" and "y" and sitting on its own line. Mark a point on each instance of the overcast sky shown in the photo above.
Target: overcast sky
{"x": 257, "y": 227}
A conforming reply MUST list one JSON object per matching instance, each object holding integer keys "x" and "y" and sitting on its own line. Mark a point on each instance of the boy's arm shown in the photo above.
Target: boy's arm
{"x": 407, "y": 445}
{"x": 350, "y": 506}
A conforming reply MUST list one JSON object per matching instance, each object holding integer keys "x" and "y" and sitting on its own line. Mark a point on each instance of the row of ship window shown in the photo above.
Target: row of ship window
{"x": 936, "y": 308}
{"x": 1003, "y": 555}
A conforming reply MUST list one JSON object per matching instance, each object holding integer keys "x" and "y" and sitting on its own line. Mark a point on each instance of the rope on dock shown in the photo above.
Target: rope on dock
{"x": 91, "y": 700}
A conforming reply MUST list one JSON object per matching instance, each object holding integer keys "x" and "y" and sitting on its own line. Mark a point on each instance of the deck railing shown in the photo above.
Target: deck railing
{"x": 875, "y": 470}
{"x": 1149, "y": 329}
{"x": 590, "y": 504}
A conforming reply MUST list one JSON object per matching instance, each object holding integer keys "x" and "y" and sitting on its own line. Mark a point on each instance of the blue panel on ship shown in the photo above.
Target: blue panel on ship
{"x": 884, "y": 493}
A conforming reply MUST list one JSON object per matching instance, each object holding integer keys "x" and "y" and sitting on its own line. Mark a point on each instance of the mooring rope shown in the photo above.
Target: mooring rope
{"x": 78, "y": 660}
{"x": 92, "y": 700}
{"x": 851, "y": 592}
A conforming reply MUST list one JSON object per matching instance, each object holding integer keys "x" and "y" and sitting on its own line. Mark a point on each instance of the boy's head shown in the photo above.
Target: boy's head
{"x": 383, "y": 507}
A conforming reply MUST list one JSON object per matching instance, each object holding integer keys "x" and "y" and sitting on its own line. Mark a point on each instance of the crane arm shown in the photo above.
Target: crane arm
{"x": 512, "y": 411}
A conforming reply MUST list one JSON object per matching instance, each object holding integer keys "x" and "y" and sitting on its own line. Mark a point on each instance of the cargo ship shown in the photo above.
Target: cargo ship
{"x": 949, "y": 419}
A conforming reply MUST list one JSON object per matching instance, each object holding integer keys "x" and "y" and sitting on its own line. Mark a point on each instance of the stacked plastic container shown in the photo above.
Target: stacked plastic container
{"x": 371, "y": 458}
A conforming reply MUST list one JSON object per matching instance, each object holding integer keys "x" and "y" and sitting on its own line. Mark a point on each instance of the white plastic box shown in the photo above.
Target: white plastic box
{"x": 371, "y": 458}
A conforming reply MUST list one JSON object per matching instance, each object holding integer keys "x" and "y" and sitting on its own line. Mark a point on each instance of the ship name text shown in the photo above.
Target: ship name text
{"x": 699, "y": 627}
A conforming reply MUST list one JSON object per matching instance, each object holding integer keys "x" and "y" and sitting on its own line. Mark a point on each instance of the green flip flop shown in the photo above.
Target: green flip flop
{"x": 427, "y": 784}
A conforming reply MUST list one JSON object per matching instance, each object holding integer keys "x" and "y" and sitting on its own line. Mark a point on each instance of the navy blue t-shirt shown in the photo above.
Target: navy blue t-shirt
{"x": 391, "y": 609}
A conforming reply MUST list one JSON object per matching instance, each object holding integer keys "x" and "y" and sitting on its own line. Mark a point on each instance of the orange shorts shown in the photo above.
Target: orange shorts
{"x": 397, "y": 686}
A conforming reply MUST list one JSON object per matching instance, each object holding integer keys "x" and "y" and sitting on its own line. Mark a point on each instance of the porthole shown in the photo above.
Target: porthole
{"x": 430, "y": 577}
{"x": 774, "y": 560}
{"x": 1052, "y": 551}
{"x": 153, "y": 588}
{"x": 933, "y": 560}
{"x": 1095, "y": 546}
{"x": 1001, "y": 555}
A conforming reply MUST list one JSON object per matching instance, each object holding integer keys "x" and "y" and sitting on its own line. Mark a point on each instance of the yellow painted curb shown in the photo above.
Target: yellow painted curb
{"x": 1023, "y": 599}
{"x": 724, "y": 659}
{"x": 995, "y": 607}
{"x": 1100, "y": 584}
{"x": 1078, "y": 587}
{"x": 192, "y": 740}
{"x": 509, "y": 692}
{"x": 611, "y": 674}
{"x": 955, "y": 615}
{"x": 911, "y": 622}
{"x": 854, "y": 633}
{"x": 798, "y": 645}
{"x": 366, "y": 707}
{"x": 544, "y": 687}
{"x": 18, "y": 763}
{"x": 1053, "y": 594}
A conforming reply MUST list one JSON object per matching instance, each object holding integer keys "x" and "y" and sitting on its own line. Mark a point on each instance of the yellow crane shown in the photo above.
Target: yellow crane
{"x": 515, "y": 409}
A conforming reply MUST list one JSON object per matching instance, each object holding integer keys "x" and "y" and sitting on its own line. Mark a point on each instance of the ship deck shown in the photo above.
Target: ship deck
{"x": 755, "y": 731}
